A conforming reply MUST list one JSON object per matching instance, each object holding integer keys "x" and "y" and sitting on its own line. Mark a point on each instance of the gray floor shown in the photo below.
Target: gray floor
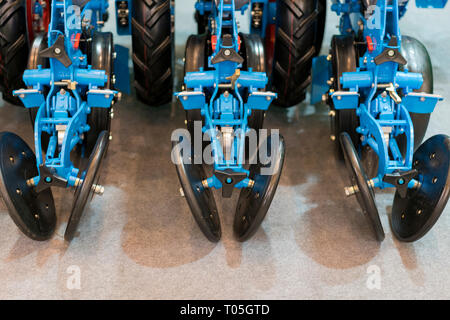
{"x": 140, "y": 241}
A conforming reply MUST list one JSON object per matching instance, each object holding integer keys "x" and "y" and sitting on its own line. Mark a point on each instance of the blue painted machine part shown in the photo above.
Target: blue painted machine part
{"x": 373, "y": 90}
{"x": 72, "y": 90}
{"x": 439, "y": 4}
{"x": 226, "y": 108}
{"x": 268, "y": 13}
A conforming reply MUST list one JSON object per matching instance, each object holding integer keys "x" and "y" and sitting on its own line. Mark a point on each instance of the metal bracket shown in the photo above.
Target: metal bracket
{"x": 229, "y": 179}
{"x": 391, "y": 54}
{"x": 49, "y": 179}
{"x": 58, "y": 52}
{"x": 234, "y": 78}
{"x": 401, "y": 180}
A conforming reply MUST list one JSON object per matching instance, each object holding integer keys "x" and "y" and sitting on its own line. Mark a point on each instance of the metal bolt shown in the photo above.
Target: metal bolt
{"x": 332, "y": 113}
{"x": 324, "y": 97}
{"x": 114, "y": 55}
{"x": 30, "y": 182}
{"x": 181, "y": 192}
{"x": 432, "y": 156}
{"x": 57, "y": 51}
{"x": 419, "y": 211}
{"x": 98, "y": 189}
{"x": 333, "y": 137}
{"x": 227, "y": 52}
{"x": 350, "y": 191}
{"x": 435, "y": 179}
{"x": 391, "y": 53}
{"x": 329, "y": 57}
{"x": 110, "y": 137}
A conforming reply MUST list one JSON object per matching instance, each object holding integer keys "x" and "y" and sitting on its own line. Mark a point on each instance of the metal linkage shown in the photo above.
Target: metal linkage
{"x": 67, "y": 90}
{"x": 379, "y": 112}
{"x": 218, "y": 93}
{"x": 262, "y": 13}
{"x": 382, "y": 94}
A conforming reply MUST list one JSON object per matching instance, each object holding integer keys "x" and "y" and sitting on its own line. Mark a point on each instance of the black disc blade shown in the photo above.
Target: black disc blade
{"x": 84, "y": 191}
{"x": 414, "y": 215}
{"x": 33, "y": 213}
{"x": 200, "y": 199}
{"x": 359, "y": 178}
{"x": 254, "y": 202}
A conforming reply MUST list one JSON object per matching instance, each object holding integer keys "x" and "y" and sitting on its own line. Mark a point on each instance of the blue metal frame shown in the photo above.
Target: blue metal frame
{"x": 383, "y": 116}
{"x": 225, "y": 110}
{"x": 268, "y": 16}
{"x": 63, "y": 111}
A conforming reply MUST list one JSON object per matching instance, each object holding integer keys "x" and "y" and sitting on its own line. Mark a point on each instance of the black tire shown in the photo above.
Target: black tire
{"x": 102, "y": 59}
{"x": 252, "y": 50}
{"x": 195, "y": 58}
{"x": 418, "y": 61}
{"x": 34, "y": 60}
{"x": 295, "y": 46}
{"x": 344, "y": 59}
{"x": 152, "y": 51}
{"x": 14, "y": 48}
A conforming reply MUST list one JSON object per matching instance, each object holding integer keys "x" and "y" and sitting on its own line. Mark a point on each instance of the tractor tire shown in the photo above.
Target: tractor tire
{"x": 152, "y": 36}
{"x": 321, "y": 25}
{"x": 296, "y": 44}
{"x": 14, "y": 48}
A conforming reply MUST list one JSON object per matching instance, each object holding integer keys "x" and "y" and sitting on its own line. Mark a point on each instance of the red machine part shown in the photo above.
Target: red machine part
{"x": 370, "y": 44}
{"x": 76, "y": 40}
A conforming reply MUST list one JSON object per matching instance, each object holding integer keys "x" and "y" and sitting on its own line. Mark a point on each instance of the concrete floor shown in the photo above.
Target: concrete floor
{"x": 140, "y": 241}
